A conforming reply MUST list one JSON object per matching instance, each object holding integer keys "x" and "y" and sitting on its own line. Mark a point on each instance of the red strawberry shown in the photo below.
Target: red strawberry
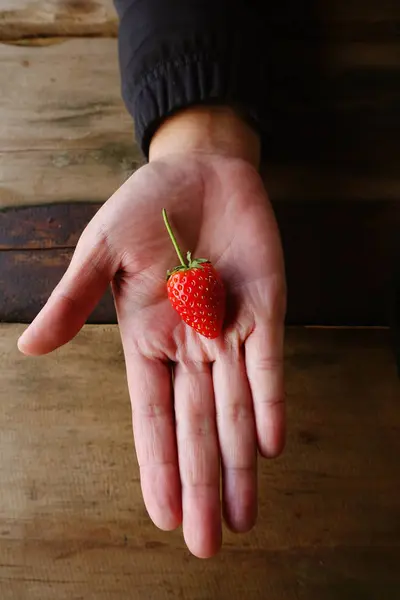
{"x": 196, "y": 292}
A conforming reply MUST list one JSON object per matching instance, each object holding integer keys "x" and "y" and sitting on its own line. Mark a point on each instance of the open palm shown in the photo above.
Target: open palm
{"x": 199, "y": 406}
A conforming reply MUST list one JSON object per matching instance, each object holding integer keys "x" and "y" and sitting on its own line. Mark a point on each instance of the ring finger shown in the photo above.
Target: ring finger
{"x": 238, "y": 442}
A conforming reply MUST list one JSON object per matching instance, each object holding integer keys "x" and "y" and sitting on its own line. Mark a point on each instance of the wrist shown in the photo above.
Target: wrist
{"x": 206, "y": 130}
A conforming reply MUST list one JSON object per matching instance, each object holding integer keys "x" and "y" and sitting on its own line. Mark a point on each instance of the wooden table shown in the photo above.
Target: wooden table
{"x": 72, "y": 521}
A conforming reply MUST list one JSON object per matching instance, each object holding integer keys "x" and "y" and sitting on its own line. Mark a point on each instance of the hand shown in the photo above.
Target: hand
{"x": 225, "y": 398}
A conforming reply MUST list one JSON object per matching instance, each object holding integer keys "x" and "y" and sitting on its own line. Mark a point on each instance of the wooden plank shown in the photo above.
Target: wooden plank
{"x": 329, "y": 19}
{"x": 72, "y": 521}
{"x": 66, "y": 136}
{"x": 341, "y": 260}
{"x": 64, "y": 126}
{"x": 332, "y": 20}
{"x": 356, "y": 19}
{"x": 44, "y": 227}
{"x": 33, "y": 18}
{"x": 28, "y": 278}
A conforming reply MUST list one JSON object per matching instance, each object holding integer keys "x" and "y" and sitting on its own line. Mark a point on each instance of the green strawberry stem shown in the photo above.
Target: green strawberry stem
{"x": 173, "y": 239}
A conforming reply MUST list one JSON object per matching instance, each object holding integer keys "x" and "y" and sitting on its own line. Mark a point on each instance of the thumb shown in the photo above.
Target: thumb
{"x": 92, "y": 267}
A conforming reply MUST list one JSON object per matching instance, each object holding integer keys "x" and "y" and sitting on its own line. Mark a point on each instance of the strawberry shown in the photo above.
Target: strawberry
{"x": 196, "y": 292}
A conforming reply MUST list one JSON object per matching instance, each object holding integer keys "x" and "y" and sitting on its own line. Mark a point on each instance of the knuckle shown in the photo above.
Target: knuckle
{"x": 152, "y": 411}
{"x": 196, "y": 468}
{"x": 275, "y": 401}
{"x": 268, "y": 364}
{"x": 235, "y": 412}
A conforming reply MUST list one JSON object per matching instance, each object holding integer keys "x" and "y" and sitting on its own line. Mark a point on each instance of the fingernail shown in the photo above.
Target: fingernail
{"x": 21, "y": 342}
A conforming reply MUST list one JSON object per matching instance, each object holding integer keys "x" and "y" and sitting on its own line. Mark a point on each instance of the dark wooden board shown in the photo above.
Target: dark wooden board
{"x": 341, "y": 260}
{"x": 45, "y": 226}
{"x": 72, "y": 521}
{"x": 27, "y": 278}
{"x": 327, "y": 19}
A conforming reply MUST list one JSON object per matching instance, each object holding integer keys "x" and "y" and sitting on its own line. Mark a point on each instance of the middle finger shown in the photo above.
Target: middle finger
{"x": 198, "y": 453}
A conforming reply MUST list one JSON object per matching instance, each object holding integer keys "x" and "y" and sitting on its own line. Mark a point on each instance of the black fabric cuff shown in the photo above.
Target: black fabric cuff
{"x": 199, "y": 52}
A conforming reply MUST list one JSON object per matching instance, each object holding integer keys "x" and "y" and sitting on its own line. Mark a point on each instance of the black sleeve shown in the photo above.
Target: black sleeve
{"x": 177, "y": 53}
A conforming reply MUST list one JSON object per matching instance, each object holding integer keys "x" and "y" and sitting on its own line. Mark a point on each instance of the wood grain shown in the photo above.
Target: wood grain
{"x": 72, "y": 520}
{"x": 51, "y": 18}
{"x": 341, "y": 260}
{"x": 64, "y": 133}
{"x": 352, "y": 20}
{"x": 44, "y": 227}
{"x": 334, "y": 129}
